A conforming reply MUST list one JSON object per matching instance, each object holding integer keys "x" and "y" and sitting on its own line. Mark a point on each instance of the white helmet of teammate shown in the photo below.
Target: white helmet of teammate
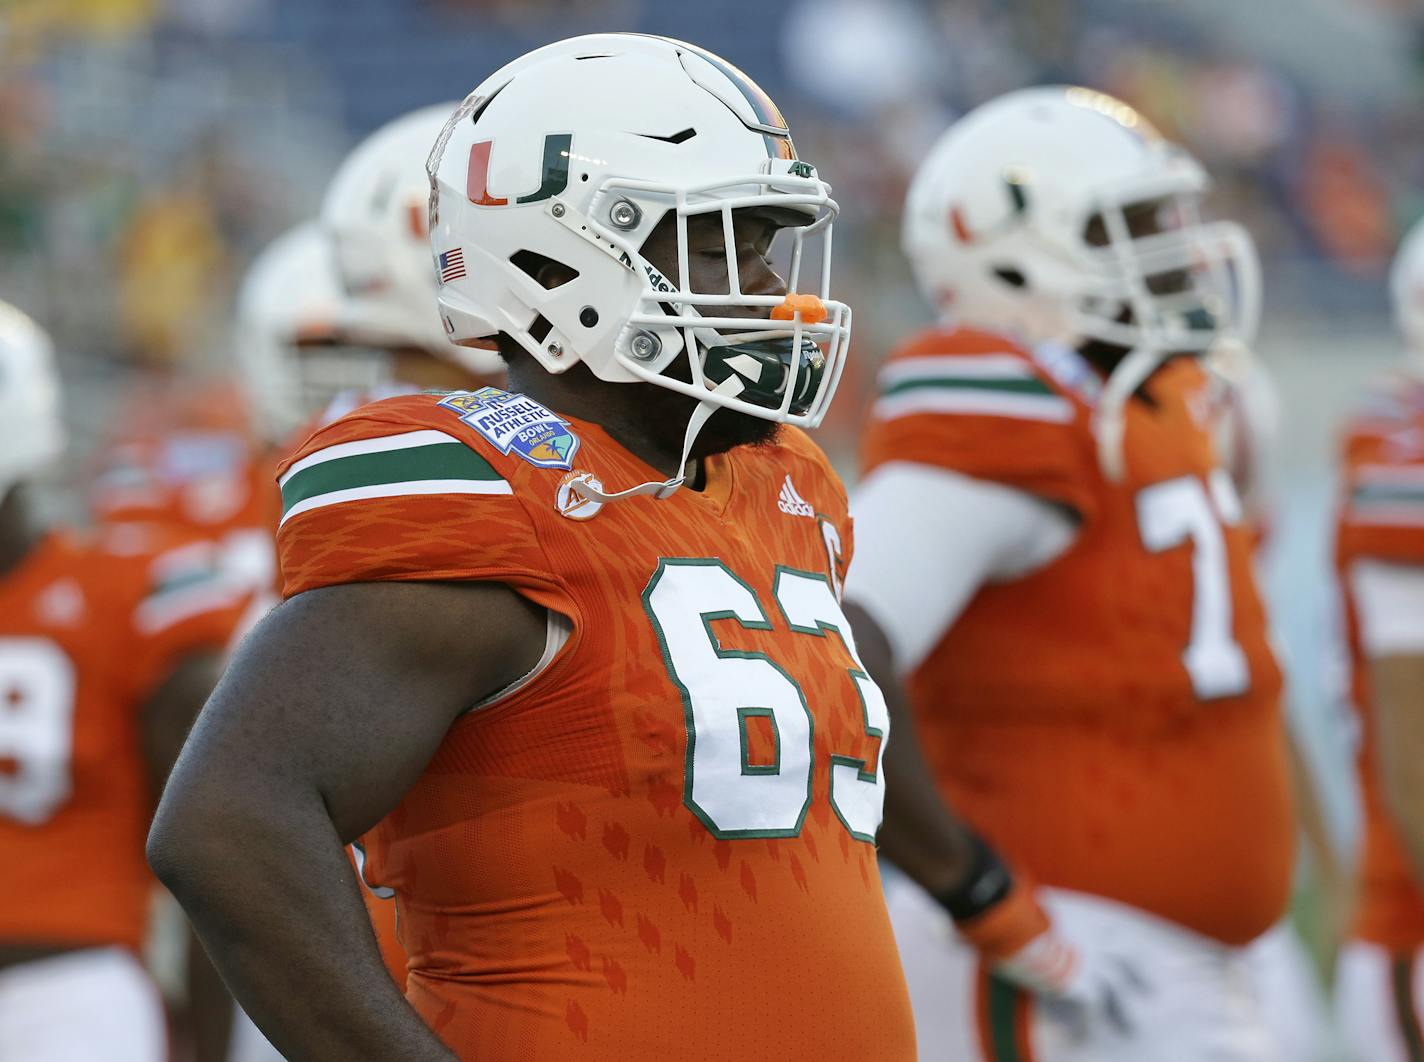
{"x": 375, "y": 213}
{"x": 31, "y": 431}
{"x": 289, "y": 296}
{"x": 573, "y": 154}
{"x": 1406, "y": 290}
{"x": 1060, "y": 213}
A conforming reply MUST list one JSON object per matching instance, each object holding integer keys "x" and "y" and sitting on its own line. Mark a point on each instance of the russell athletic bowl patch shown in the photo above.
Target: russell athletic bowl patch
{"x": 516, "y": 424}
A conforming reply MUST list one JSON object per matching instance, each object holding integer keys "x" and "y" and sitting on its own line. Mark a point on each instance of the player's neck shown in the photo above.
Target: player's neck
{"x": 19, "y": 534}
{"x": 616, "y": 408}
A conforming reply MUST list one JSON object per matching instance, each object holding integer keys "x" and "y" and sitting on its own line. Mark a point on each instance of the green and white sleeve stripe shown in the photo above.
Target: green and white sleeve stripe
{"x": 996, "y": 385}
{"x": 1388, "y": 495}
{"x": 188, "y": 582}
{"x": 414, "y": 462}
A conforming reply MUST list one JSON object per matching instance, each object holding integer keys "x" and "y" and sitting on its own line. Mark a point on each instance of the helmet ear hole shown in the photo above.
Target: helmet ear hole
{"x": 543, "y": 270}
{"x": 1010, "y": 276}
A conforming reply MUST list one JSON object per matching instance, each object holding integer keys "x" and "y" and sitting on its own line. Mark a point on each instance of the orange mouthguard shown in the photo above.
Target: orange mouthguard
{"x": 811, "y": 309}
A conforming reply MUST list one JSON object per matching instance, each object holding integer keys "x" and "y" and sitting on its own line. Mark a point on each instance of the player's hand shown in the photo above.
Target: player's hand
{"x": 1080, "y": 982}
{"x": 1085, "y": 982}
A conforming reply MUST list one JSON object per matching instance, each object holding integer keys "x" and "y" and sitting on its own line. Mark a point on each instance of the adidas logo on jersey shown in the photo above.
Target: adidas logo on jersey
{"x": 792, "y": 503}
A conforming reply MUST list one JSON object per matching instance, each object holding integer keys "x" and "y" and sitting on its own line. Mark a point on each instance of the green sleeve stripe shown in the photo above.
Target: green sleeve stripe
{"x": 1022, "y": 385}
{"x": 1402, "y": 983}
{"x": 1379, "y": 494}
{"x": 438, "y": 461}
{"x": 1002, "y": 1000}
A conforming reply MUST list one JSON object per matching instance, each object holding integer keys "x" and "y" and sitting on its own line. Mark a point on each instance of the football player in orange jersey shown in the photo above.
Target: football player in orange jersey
{"x": 1380, "y": 554}
{"x": 571, "y": 662}
{"x": 1054, "y": 565}
{"x": 108, "y": 645}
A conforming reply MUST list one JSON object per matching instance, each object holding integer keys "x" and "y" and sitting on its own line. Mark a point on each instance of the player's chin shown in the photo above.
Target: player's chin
{"x": 727, "y": 429}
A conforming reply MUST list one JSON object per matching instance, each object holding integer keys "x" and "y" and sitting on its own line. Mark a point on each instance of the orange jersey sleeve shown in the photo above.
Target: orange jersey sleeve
{"x": 190, "y": 602}
{"x": 1380, "y": 516}
{"x": 978, "y": 404}
{"x": 1382, "y": 502}
{"x": 381, "y": 495}
{"x": 673, "y": 822}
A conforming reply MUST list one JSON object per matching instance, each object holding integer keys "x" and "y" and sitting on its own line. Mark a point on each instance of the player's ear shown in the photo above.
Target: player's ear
{"x": 548, "y": 272}
{"x": 551, "y": 274}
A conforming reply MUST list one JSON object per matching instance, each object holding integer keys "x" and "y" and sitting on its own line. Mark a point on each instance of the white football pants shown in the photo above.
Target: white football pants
{"x": 1380, "y": 1002}
{"x": 1203, "y": 1004}
{"x": 95, "y": 1005}
{"x": 247, "y": 1043}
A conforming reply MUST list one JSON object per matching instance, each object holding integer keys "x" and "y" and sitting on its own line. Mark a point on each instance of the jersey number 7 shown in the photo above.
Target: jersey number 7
{"x": 1184, "y": 510}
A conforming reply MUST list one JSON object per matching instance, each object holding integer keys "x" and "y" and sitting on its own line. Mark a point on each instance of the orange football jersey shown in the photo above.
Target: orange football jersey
{"x": 186, "y": 461}
{"x": 1381, "y": 517}
{"x": 88, "y": 630}
{"x": 1111, "y": 720}
{"x": 662, "y": 846}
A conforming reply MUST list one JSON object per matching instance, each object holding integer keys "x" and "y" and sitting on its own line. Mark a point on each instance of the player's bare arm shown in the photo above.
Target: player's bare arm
{"x": 1398, "y": 683}
{"x": 165, "y": 720}
{"x": 169, "y": 712}
{"x": 918, "y": 834}
{"x": 336, "y": 702}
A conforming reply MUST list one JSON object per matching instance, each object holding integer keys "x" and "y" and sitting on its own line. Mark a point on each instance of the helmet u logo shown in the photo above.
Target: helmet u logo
{"x": 555, "y": 172}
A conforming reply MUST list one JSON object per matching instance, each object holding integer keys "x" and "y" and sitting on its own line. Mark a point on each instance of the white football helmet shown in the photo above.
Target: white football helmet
{"x": 31, "y": 431}
{"x": 290, "y": 297}
{"x": 375, "y": 213}
{"x": 1406, "y": 291}
{"x": 573, "y": 154}
{"x": 1026, "y": 218}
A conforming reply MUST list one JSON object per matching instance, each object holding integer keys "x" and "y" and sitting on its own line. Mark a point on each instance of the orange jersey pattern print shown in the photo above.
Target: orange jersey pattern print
{"x": 1111, "y": 721}
{"x": 662, "y": 847}
{"x": 87, "y": 632}
{"x": 1381, "y": 517}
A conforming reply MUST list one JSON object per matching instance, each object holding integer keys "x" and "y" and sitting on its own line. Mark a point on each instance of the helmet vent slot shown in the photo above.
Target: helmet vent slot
{"x": 677, "y": 138}
{"x": 1011, "y": 276}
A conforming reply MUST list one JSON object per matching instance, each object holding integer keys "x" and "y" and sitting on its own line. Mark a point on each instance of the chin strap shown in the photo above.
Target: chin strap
{"x": 1109, "y": 421}
{"x": 668, "y": 487}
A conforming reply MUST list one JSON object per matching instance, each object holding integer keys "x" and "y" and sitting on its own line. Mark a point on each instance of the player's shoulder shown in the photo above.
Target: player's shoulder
{"x": 942, "y": 341}
{"x": 968, "y": 372}
{"x": 1387, "y": 425}
{"x": 421, "y": 487}
{"x": 1382, "y": 504}
{"x": 373, "y": 420}
{"x": 806, "y": 480}
{"x": 506, "y": 429}
{"x": 795, "y": 447}
{"x": 147, "y": 575}
{"x": 464, "y": 444}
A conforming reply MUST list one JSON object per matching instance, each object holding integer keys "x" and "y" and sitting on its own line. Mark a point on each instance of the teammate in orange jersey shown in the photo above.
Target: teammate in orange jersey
{"x": 1380, "y": 552}
{"x": 570, "y": 662}
{"x": 1053, "y": 563}
{"x": 108, "y": 645}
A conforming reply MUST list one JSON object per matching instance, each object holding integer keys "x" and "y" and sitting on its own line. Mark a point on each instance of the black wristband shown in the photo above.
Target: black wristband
{"x": 987, "y": 882}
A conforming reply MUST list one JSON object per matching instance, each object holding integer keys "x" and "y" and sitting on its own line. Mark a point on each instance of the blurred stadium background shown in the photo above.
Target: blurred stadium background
{"x": 149, "y": 148}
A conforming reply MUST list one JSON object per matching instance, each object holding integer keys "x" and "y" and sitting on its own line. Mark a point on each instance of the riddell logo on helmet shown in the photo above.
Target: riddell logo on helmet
{"x": 656, "y": 280}
{"x": 554, "y": 171}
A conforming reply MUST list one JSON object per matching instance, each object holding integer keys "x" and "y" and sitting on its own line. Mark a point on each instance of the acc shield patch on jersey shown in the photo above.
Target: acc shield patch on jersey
{"x": 516, "y": 424}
